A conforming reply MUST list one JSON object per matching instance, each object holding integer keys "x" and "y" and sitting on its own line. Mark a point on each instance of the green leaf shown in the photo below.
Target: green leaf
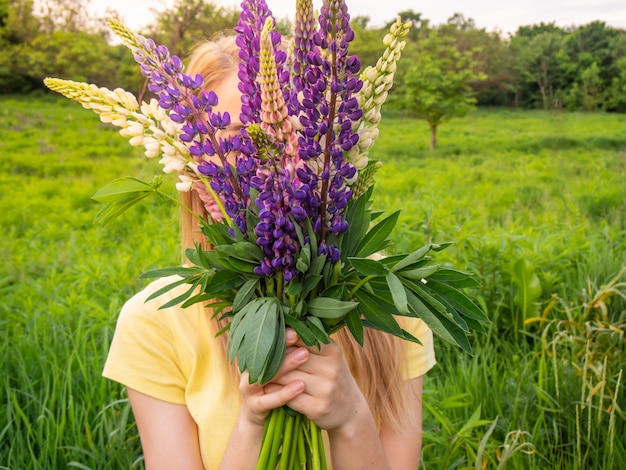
{"x": 358, "y": 219}
{"x": 218, "y": 233}
{"x": 245, "y": 293}
{"x": 412, "y": 257}
{"x": 440, "y": 324}
{"x": 311, "y": 281}
{"x": 303, "y": 331}
{"x": 398, "y": 293}
{"x": 223, "y": 281}
{"x": 420, "y": 273}
{"x": 182, "y": 297}
{"x": 120, "y": 195}
{"x": 459, "y": 300}
{"x": 248, "y": 251}
{"x": 238, "y": 331}
{"x": 167, "y": 288}
{"x": 175, "y": 271}
{"x": 528, "y": 288}
{"x": 368, "y": 267}
{"x": 454, "y": 278}
{"x": 276, "y": 355}
{"x": 376, "y": 238}
{"x": 354, "y": 324}
{"x": 261, "y": 334}
{"x": 317, "y": 328}
{"x": 372, "y": 311}
{"x": 328, "y": 307}
{"x": 124, "y": 187}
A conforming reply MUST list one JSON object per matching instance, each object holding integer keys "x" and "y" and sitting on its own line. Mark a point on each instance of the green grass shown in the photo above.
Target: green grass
{"x": 543, "y": 388}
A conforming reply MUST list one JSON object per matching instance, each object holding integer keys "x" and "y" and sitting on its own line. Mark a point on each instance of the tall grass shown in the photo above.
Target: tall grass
{"x": 545, "y": 386}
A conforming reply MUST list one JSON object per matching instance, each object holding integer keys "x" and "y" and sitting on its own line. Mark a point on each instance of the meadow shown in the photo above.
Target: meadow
{"x": 535, "y": 203}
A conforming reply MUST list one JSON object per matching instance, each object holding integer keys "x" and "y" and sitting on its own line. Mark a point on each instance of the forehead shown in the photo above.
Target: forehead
{"x": 229, "y": 96}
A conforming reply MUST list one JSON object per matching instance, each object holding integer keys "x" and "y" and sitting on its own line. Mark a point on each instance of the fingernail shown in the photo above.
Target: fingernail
{"x": 290, "y": 334}
{"x": 300, "y": 354}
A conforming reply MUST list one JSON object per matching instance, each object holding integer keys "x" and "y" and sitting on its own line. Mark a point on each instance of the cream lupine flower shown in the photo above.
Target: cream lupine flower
{"x": 377, "y": 81}
{"x": 147, "y": 125}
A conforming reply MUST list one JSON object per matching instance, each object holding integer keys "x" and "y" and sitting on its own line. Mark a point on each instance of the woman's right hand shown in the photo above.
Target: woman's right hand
{"x": 259, "y": 400}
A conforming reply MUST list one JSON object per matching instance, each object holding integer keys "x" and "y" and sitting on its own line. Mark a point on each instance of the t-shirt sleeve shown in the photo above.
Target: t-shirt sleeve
{"x": 143, "y": 354}
{"x": 420, "y": 358}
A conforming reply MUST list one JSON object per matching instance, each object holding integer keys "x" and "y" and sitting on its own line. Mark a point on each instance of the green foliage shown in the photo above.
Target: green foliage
{"x": 528, "y": 292}
{"x": 186, "y": 23}
{"x": 436, "y": 87}
{"x": 545, "y": 186}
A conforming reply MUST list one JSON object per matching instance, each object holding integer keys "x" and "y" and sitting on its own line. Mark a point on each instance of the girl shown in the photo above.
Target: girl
{"x": 194, "y": 410}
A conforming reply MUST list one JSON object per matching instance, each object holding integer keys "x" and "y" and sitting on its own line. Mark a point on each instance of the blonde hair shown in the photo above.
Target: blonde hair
{"x": 378, "y": 366}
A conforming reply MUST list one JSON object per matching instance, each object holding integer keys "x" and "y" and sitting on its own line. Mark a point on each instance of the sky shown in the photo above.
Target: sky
{"x": 493, "y": 15}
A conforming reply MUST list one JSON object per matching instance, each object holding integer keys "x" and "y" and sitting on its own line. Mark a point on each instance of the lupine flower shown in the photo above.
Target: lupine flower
{"x": 377, "y": 81}
{"x": 147, "y": 125}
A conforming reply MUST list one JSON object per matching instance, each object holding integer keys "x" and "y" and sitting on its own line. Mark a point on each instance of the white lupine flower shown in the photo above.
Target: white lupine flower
{"x": 152, "y": 146}
{"x": 172, "y": 164}
{"x": 136, "y": 141}
{"x": 147, "y": 125}
{"x": 185, "y": 184}
{"x": 377, "y": 81}
{"x": 118, "y": 121}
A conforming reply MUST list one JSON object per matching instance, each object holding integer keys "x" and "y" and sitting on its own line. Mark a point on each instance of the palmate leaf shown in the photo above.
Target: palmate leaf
{"x": 121, "y": 194}
{"x": 257, "y": 333}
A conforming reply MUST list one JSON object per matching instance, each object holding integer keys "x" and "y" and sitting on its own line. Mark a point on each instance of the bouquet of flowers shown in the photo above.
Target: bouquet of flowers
{"x": 294, "y": 234}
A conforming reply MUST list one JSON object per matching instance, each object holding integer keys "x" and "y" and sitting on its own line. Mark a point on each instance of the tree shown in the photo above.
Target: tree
{"x": 188, "y": 22}
{"x": 64, "y": 15}
{"x": 591, "y": 87}
{"x": 539, "y": 62}
{"x": 617, "y": 93}
{"x": 437, "y": 87}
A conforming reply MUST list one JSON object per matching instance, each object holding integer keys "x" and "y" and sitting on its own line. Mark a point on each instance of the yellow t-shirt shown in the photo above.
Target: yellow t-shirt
{"x": 172, "y": 355}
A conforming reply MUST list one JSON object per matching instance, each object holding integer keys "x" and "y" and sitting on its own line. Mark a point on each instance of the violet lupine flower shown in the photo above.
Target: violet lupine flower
{"x": 191, "y": 107}
{"x": 327, "y": 114}
{"x": 282, "y": 197}
{"x": 305, "y": 28}
{"x": 254, "y": 14}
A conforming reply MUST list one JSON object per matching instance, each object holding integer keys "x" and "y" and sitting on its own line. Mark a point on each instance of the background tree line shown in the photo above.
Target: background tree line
{"x": 456, "y": 63}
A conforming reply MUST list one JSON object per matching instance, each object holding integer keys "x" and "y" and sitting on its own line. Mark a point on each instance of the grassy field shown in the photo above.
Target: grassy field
{"x": 535, "y": 203}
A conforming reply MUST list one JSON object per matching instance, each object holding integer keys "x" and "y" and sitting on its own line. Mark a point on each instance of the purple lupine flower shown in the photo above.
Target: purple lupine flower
{"x": 182, "y": 95}
{"x": 328, "y": 122}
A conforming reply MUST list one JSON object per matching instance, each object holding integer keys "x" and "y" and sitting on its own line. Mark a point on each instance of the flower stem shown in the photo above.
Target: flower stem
{"x": 360, "y": 284}
{"x": 269, "y": 437}
{"x": 288, "y": 444}
{"x": 276, "y": 437}
{"x": 316, "y": 449}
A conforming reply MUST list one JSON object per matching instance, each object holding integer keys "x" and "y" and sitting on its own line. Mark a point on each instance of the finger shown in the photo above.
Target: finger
{"x": 291, "y": 337}
{"x": 294, "y": 358}
{"x": 275, "y": 397}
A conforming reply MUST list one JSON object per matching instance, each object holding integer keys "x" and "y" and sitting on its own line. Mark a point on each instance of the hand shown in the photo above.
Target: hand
{"x": 259, "y": 400}
{"x": 331, "y": 397}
